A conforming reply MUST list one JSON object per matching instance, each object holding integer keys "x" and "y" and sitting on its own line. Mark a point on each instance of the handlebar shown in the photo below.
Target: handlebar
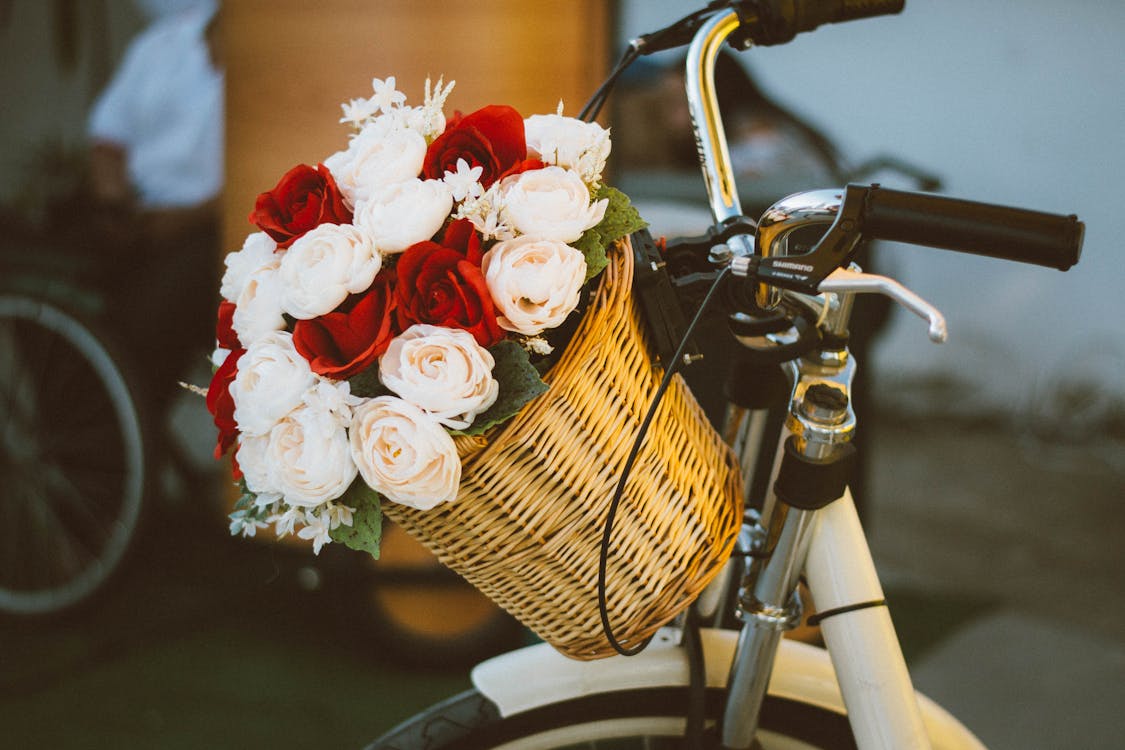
{"x": 1045, "y": 239}
{"x": 761, "y": 252}
{"x": 769, "y": 22}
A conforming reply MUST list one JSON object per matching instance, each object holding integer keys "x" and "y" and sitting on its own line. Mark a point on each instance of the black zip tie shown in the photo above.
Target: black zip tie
{"x": 815, "y": 619}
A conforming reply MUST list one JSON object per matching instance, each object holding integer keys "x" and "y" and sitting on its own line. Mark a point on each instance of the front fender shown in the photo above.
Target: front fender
{"x": 539, "y": 675}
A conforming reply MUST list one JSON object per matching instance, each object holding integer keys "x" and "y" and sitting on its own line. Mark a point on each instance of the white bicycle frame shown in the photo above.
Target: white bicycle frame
{"x": 861, "y": 673}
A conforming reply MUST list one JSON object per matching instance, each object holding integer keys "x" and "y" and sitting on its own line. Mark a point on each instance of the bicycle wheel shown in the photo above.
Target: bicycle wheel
{"x": 652, "y": 719}
{"x": 72, "y": 458}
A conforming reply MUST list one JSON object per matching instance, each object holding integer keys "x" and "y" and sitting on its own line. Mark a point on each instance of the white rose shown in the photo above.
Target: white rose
{"x": 442, "y": 371}
{"x": 383, "y": 153}
{"x": 254, "y": 465}
{"x": 323, "y": 267}
{"x": 309, "y": 458}
{"x": 258, "y": 251}
{"x": 534, "y": 283}
{"x": 398, "y": 215}
{"x": 271, "y": 381}
{"x": 257, "y": 311}
{"x": 550, "y": 203}
{"x": 404, "y": 454}
{"x": 569, "y": 143}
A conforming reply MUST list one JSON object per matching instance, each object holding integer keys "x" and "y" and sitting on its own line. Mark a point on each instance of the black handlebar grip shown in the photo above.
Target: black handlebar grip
{"x": 1051, "y": 240}
{"x": 808, "y": 14}
{"x": 770, "y": 22}
{"x": 852, "y": 10}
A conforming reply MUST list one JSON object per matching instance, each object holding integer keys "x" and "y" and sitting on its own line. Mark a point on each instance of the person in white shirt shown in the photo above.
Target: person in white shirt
{"x": 155, "y": 177}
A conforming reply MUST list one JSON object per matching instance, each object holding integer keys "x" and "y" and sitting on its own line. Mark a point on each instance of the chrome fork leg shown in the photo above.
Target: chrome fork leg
{"x": 768, "y": 609}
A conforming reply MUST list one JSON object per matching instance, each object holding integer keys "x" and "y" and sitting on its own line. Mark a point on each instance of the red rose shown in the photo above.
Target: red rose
{"x": 221, "y": 404}
{"x": 302, "y": 200}
{"x": 224, "y": 327}
{"x": 347, "y": 340}
{"x": 438, "y": 286}
{"x": 492, "y": 138}
{"x": 463, "y": 237}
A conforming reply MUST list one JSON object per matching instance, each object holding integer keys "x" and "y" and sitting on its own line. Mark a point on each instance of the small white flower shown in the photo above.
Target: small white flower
{"x": 551, "y": 203}
{"x": 245, "y": 525}
{"x": 323, "y": 267}
{"x": 442, "y": 371}
{"x": 386, "y": 98}
{"x": 465, "y": 182}
{"x": 404, "y": 454}
{"x": 258, "y": 251}
{"x": 316, "y": 528}
{"x": 285, "y": 522}
{"x": 358, "y": 111}
{"x": 486, "y": 212}
{"x": 383, "y": 153}
{"x": 339, "y": 515}
{"x": 534, "y": 283}
{"x": 399, "y": 215}
{"x": 271, "y": 382}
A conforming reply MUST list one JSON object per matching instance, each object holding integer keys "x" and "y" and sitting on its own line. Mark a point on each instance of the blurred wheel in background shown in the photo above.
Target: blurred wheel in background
{"x": 73, "y": 471}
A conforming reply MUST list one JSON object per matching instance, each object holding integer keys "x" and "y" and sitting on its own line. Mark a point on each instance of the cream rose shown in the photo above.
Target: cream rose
{"x": 404, "y": 454}
{"x": 398, "y": 215}
{"x": 442, "y": 371}
{"x": 381, "y": 154}
{"x": 258, "y": 251}
{"x": 257, "y": 311}
{"x": 550, "y": 203}
{"x": 534, "y": 283}
{"x": 309, "y": 458}
{"x": 271, "y": 382}
{"x": 323, "y": 267}
{"x": 569, "y": 143}
{"x": 254, "y": 465}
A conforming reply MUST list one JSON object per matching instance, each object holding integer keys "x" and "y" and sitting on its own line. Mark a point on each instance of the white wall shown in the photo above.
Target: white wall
{"x": 1020, "y": 102}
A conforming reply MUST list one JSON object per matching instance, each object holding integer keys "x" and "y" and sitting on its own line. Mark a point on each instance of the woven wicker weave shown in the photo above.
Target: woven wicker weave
{"x": 527, "y": 524}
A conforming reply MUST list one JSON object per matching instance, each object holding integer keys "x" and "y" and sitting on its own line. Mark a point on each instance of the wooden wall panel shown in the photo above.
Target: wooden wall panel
{"x": 291, "y": 63}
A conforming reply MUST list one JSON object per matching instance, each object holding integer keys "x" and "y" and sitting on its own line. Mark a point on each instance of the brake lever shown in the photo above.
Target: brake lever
{"x": 845, "y": 280}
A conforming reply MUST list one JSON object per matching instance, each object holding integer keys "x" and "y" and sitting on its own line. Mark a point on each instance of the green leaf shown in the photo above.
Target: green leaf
{"x": 366, "y": 384}
{"x": 366, "y": 532}
{"x": 593, "y": 247}
{"x": 621, "y": 219}
{"x": 519, "y": 384}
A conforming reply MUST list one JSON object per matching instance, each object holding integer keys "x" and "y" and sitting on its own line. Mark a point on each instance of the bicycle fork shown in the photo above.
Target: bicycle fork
{"x": 812, "y": 527}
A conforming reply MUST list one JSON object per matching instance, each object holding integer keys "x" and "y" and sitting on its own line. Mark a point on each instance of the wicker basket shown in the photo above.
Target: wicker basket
{"x": 527, "y": 524}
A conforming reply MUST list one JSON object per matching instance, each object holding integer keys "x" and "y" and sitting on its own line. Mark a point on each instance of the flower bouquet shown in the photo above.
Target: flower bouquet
{"x": 437, "y": 324}
{"x": 399, "y": 296}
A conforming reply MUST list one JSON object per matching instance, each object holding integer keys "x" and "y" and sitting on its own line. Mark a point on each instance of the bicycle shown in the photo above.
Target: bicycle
{"x": 789, "y": 284}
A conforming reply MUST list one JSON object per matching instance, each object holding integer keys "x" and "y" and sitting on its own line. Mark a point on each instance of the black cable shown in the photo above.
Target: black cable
{"x": 670, "y": 37}
{"x": 607, "y": 532}
{"x": 697, "y": 683}
{"x": 599, "y": 98}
